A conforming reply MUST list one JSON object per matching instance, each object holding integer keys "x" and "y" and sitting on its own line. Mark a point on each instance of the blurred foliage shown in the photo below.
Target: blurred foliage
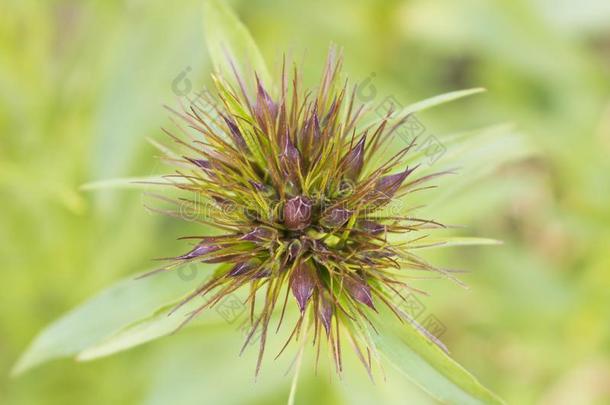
{"x": 82, "y": 85}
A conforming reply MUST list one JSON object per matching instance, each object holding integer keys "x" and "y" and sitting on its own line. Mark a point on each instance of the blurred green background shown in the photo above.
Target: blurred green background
{"x": 82, "y": 84}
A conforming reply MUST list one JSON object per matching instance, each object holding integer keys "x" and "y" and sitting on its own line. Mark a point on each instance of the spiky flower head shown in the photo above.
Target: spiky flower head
{"x": 296, "y": 187}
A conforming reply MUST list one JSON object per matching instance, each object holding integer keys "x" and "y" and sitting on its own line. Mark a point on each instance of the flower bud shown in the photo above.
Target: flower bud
{"x": 260, "y": 234}
{"x": 264, "y": 102}
{"x": 262, "y": 273}
{"x": 303, "y": 283}
{"x": 354, "y": 160}
{"x": 297, "y": 213}
{"x": 295, "y": 248}
{"x": 335, "y": 217}
{"x": 388, "y": 185}
{"x": 290, "y": 159}
{"x": 238, "y": 138}
{"x": 241, "y": 268}
{"x": 199, "y": 250}
{"x": 359, "y": 290}
{"x": 325, "y": 312}
{"x": 200, "y": 163}
{"x": 371, "y": 227}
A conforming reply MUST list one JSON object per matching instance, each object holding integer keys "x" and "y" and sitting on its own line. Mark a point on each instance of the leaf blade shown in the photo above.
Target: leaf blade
{"x": 226, "y": 34}
{"x": 429, "y": 367}
{"x": 161, "y": 323}
{"x": 439, "y": 100}
{"x": 426, "y": 104}
{"x": 453, "y": 241}
{"x": 112, "y": 309}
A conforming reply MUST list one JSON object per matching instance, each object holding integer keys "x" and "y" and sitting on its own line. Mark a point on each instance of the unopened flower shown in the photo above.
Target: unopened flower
{"x": 293, "y": 189}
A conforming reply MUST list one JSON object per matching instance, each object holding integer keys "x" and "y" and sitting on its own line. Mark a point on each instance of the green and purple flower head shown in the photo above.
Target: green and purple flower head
{"x": 298, "y": 190}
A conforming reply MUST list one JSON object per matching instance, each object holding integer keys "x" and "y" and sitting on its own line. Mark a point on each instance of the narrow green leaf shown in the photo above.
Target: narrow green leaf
{"x": 226, "y": 36}
{"x": 428, "y": 103}
{"x": 425, "y": 364}
{"x": 111, "y": 310}
{"x": 438, "y": 100}
{"x": 455, "y": 241}
{"x": 159, "y": 324}
{"x": 164, "y": 149}
{"x": 124, "y": 183}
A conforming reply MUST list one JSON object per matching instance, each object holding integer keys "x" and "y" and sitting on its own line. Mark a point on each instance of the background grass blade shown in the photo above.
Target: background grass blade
{"x": 226, "y": 36}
